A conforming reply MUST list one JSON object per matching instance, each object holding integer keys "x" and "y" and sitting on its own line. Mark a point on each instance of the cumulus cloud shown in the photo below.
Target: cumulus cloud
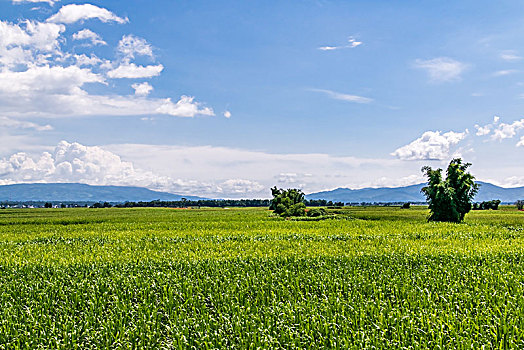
{"x": 441, "y": 69}
{"x": 84, "y": 60}
{"x": 344, "y": 97}
{"x": 130, "y": 45}
{"x": 352, "y": 43}
{"x": 73, "y": 13}
{"x": 28, "y": 42}
{"x": 142, "y": 89}
{"x": 38, "y": 78}
{"x": 70, "y": 162}
{"x": 486, "y": 129}
{"x": 132, "y": 71}
{"x": 507, "y": 131}
{"x": 521, "y": 142}
{"x": 432, "y": 145}
{"x": 185, "y": 107}
{"x": 86, "y": 34}
{"x": 227, "y": 114}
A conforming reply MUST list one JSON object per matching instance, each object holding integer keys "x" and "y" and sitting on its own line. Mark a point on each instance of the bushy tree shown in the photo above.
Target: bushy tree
{"x": 520, "y": 204}
{"x": 450, "y": 199}
{"x": 288, "y": 202}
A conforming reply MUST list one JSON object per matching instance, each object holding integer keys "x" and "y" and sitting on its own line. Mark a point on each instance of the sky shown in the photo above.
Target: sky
{"x": 225, "y": 99}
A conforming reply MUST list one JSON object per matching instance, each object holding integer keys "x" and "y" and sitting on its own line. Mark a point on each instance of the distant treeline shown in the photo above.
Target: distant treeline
{"x": 486, "y": 205}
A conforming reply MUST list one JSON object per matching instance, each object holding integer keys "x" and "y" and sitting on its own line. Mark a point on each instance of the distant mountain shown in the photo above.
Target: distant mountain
{"x": 412, "y": 193}
{"x": 71, "y": 192}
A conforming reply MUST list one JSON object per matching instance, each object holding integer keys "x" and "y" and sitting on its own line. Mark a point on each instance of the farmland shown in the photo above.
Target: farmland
{"x": 239, "y": 278}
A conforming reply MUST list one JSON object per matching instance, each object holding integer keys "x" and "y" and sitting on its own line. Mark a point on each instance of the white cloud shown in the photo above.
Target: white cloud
{"x": 142, "y": 89}
{"x": 84, "y": 60}
{"x": 73, "y": 13}
{"x": 486, "y": 129}
{"x": 507, "y": 131}
{"x": 501, "y": 73}
{"x": 132, "y": 71}
{"x": 521, "y": 142}
{"x": 352, "y": 43}
{"x": 55, "y": 80}
{"x": 482, "y": 130}
{"x": 20, "y": 124}
{"x": 185, "y": 107}
{"x": 37, "y": 78}
{"x": 386, "y": 181}
{"x": 227, "y": 114}
{"x": 442, "y": 69}
{"x": 344, "y": 97}
{"x": 510, "y": 55}
{"x": 214, "y": 165}
{"x": 432, "y": 145}
{"x": 86, "y": 34}
{"x": 76, "y": 163}
{"x": 42, "y": 36}
{"x": 131, "y": 45}
{"x": 239, "y": 187}
{"x": 50, "y": 2}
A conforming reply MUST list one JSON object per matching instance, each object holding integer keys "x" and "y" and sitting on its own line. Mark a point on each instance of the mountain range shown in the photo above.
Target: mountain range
{"x": 74, "y": 192}
{"x": 412, "y": 193}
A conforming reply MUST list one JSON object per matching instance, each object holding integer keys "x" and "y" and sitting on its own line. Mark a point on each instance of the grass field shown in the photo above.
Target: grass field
{"x": 239, "y": 278}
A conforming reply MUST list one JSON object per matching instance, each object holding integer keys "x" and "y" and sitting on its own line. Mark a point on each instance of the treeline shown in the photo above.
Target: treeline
{"x": 213, "y": 203}
{"x": 486, "y": 205}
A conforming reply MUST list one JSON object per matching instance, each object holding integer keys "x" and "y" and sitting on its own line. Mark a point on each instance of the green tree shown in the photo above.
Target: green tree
{"x": 450, "y": 199}
{"x": 288, "y": 202}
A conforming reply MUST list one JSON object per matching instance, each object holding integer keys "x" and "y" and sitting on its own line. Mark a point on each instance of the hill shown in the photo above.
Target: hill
{"x": 412, "y": 194}
{"x": 74, "y": 192}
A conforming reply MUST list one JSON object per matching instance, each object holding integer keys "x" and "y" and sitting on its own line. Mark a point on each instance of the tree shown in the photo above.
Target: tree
{"x": 450, "y": 199}
{"x": 520, "y": 204}
{"x": 288, "y": 202}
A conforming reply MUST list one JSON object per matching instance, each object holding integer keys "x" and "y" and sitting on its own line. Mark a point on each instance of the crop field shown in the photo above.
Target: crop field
{"x": 240, "y": 278}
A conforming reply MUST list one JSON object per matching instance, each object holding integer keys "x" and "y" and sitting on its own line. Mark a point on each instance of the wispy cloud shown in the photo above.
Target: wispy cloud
{"x": 442, "y": 69}
{"x": 344, "y": 97}
{"x": 50, "y": 2}
{"x": 501, "y": 73}
{"x": 20, "y": 124}
{"x": 352, "y": 43}
{"x": 510, "y": 56}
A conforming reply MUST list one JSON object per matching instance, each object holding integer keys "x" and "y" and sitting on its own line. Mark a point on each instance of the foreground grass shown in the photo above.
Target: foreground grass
{"x": 163, "y": 278}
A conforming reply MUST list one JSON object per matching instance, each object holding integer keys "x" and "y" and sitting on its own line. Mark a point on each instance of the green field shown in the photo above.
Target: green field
{"x": 239, "y": 278}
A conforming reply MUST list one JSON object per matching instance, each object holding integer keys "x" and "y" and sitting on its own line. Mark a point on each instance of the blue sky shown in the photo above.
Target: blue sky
{"x": 228, "y": 98}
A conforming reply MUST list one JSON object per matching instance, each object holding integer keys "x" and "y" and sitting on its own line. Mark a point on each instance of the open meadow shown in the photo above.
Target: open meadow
{"x": 240, "y": 278}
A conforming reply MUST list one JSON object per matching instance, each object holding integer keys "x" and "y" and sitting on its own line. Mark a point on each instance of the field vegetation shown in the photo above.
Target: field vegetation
{"x": 370, "y": 277}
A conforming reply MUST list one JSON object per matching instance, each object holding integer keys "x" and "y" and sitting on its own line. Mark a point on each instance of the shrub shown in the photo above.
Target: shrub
{"x": 288, "y": 202}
